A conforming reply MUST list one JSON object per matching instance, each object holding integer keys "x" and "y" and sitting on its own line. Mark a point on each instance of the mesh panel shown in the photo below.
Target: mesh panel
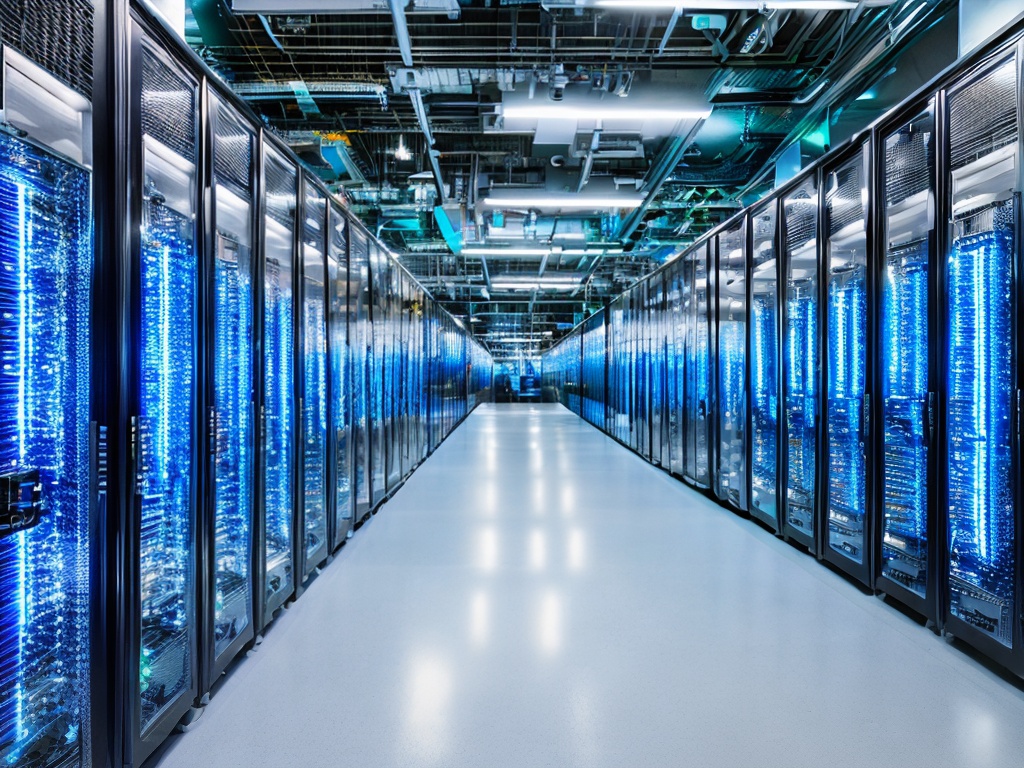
{"x": 908, "y": 163}
{"x": 845, "y": 203}
{"x": 983, "y": 115}
{"x": 55, "y": 34}
{"x": 279, "y": 182}
{"x": 801, "y": 216}
{"x": 232, "y": 159}
{"x": 168, "y": 107}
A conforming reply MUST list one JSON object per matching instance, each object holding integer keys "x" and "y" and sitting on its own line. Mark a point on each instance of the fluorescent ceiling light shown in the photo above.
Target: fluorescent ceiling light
{"x": 621, "y": 111}
{"x": 733, "y": 5}
{"x": 506, "y": 252}
{"x": 565, "y": 201}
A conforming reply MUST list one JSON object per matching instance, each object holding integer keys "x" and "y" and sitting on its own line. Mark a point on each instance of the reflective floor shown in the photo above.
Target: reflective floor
{"x": 536, "y": 595}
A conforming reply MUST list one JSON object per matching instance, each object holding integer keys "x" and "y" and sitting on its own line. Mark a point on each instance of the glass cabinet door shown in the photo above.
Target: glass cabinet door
{"x": 314, "y": 377}
{"x": 731, "y": 361}
{"x": 279, "y": 236}
{"x": 232, "y": 349}
{"x": 909, "y": 175}
{"x": 846, "y": 352}
{"x": 337, "y": 286}
{"x": 764, "y": 365}
{"x": 166, "y": 390}
{"x": 800, "y": 357}
{"x": 982, "y": 332}
{"x": 46, "y": 270}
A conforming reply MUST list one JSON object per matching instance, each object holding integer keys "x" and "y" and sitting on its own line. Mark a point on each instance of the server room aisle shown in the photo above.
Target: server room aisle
{"x": 536, "y": 595}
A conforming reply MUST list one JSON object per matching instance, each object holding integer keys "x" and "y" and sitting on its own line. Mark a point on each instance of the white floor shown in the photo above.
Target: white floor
{"x": 536, "y": 595}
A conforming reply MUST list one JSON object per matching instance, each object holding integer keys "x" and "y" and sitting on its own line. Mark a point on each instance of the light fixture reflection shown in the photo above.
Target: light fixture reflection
{"x": 479, "y": 619}
{"x": 487, "y": 554}
{"x": 430, "y": 689}
{"x": 576, "y": 553}
{"x": 538, "y": 550}
{"x": 549, "y": 623}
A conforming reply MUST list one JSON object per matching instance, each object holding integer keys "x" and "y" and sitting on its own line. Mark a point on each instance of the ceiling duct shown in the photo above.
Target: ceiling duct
{"x": 273, "y": 7}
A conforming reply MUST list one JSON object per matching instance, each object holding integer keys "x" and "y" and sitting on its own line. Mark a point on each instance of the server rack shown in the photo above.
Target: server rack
{"x": 311, "y": 387}
{"x": 165, "y": 400}
{"x": 655, "y": 341}
{"x": 52, "y": 709}
{"x": 276, "y": 566}
{"x": 906, "y": 377}
{"x": 845, "y": 512}
{"x": 730, "y": 329}
{"x": 341, "y": 508}
{"x": 675, "y": 366}
{"x": 801, "y": 356}
{"x": 982, "y": 402}
{"x": 764, "y": 304}
{"x": 359, "y": 358}
{"x": 697, "y": 361}
{"x": 228, "y": 512}
{"x": 377, "y": 366}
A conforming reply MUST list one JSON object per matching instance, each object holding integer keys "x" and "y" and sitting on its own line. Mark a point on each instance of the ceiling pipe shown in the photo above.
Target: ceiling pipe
{"x": 676, "y": 14}
{"x": 655, "y": 179}
{"x": 401, "y": 30}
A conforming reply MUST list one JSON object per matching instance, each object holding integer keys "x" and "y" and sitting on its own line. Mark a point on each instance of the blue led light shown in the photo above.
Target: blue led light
{"x": 905, "y": 376}
{"x": 801, "y": 359}
{"x": 979, "y": 412}
{"x": 847, "y": 332}
{"x": 764, "y": 399}
{"x": 233, "y": 359}
{"x": 279, "y": 393}
{"x": 165, "y": 469}
{"x": 45, "y": 273}
{"x": 315, "y": 405}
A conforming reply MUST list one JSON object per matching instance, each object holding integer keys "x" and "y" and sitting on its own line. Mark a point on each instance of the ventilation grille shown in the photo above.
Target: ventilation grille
{"x": 801, "y": 216}
{"x": 908, "y": 164}
{"x": 55, "y": 34}
{"x": 168, "y": 107}
{"x": 279, "y": 182}
{"x": 232, "y": 157}
{"x": 846, "y": 204}
{"x": 983, "y": 116}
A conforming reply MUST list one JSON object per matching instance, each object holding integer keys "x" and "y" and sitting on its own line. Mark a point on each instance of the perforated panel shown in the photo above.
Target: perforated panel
{"x": 983, "y": 115}
{"x": 57, "y": 35}
{"x": 168, "y": 107}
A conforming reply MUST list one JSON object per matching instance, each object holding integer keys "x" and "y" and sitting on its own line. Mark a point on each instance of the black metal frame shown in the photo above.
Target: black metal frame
{"x": 137, "y": 745}
{"x": 926, "y": 606}
{"x": 863, "y": 571}
{"x": 773, "y": 522}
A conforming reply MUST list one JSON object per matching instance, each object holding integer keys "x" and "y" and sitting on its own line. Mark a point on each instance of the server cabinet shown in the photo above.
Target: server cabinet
{"x": 675, "y": 367}
{"x": 906, "y": 154}
{"x": 311, "y": 357}
{"x": 392, "y": 383}
{"x": 164, "y": 395}
{"x": 730, "y": 476}
{"x": 375, "y": 394}
{"x": 340, "y": 419}
{"x": 359, "y": 337}
{"x": 594, "y": 370}
{"x": 229, "y": 503}
{"x": 48, "y": 603}
{"x": 276, "y": 558}
{"x": 847, "y": 406}
{"x": 655, "y": 340}
{"x": 765, "y": 313}
{"x": 697, "y": 360}
{"x": 800, "y": 357}
{"x": 981, "y": 387}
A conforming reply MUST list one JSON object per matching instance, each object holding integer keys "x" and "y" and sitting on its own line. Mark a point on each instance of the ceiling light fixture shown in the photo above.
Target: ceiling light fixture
{"x": 602, "y": 112}
{"x": 402, "y": 153}
{"x": 565, "y": 201}
{"x": 506, "y": 252}
{"x": 733, "y": 5}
